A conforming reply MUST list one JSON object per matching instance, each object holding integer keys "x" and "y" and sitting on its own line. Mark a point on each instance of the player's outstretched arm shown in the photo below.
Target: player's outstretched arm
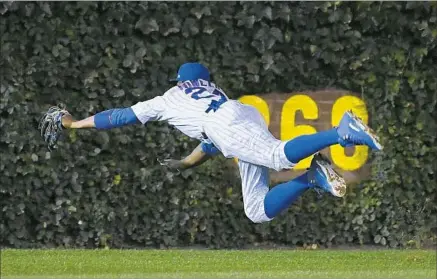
{"x": 107, "y": 119}
{"x": 141, "y": 112}
{"x": 56, "y": 119}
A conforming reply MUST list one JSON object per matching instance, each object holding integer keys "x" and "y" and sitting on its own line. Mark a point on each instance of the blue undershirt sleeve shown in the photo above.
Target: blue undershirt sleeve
{"x": 114, "y": 118}
{"x": 210, "y": 149}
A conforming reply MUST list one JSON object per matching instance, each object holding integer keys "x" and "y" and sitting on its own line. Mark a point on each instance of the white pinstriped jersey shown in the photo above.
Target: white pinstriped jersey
{"x": 184, "y": 106}
{"x": 199, "y": 108}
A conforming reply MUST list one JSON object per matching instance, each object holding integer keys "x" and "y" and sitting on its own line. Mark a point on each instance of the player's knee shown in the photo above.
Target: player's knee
{"x": 254, "y": 209}
{"x": 255, "y": 218}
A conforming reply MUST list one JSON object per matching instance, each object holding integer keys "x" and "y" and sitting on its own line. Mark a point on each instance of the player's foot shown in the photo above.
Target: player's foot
{"x": 321, "y": 175}
{"x": 353, "y": 131}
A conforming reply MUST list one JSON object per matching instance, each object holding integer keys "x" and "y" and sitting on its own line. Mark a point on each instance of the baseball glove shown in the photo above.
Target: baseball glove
{"x": 51, "y": 127}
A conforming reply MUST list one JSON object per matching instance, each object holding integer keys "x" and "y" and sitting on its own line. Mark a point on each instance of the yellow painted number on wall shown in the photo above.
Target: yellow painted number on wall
{"x": 289, "y": 130}
{"x": 358, "y": 159}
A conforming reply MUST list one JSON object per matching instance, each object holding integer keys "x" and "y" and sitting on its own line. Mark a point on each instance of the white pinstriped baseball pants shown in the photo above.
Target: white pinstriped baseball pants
{"x": 240, "y": 131}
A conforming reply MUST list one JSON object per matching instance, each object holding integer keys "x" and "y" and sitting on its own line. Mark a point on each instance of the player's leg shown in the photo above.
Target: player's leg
{"x": 255, "y": 186}
{"x": 320, "y": 175}
{"x": 306, "y": 145}
{"x": 283, "y": 195}
{"x": 262, "y": 204}
{"x": 351, "y": 131}
{"x": 240, "y": 131}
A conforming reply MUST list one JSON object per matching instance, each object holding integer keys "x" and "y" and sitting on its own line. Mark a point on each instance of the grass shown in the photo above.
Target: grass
{"x": 218, "y": 264}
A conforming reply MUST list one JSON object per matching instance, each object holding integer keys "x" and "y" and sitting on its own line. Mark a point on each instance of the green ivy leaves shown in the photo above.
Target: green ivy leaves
{"x": 104, "y": 189}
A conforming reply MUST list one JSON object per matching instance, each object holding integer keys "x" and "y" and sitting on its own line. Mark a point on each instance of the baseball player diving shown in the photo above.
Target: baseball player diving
{"x": 201, "y": 110}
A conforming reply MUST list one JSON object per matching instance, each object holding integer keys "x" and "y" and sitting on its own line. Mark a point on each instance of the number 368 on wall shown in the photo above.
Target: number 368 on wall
{"x": 310, "y": 111}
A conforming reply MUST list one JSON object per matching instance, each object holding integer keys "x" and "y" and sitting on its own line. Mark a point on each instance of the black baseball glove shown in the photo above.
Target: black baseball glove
{"x": 51, "y": 127}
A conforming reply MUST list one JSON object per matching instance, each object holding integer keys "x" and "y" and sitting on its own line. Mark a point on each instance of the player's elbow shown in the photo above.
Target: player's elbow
{"x": 114, "y": 118}
{"x": 122, "y": 117}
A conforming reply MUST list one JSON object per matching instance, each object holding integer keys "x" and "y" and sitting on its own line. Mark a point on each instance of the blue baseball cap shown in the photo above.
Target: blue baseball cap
{"x": 192, "y": 71}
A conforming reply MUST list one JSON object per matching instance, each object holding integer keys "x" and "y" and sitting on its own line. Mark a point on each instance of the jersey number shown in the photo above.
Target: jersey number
{"x": 201, "y": 93}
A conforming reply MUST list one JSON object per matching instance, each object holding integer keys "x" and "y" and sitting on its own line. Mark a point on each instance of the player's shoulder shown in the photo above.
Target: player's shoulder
{"x": 172, "y": 90}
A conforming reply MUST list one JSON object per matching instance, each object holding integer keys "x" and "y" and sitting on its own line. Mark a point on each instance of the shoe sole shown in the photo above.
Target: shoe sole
{"x": 338, "y": 185}
{"x": 366, "y": 129}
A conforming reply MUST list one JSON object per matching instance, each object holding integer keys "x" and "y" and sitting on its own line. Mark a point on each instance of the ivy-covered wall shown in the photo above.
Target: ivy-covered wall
{"x": 106, "y": 188}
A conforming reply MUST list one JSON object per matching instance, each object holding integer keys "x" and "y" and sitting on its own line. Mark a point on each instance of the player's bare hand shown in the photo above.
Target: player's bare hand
{"x": 171, "y": 163}
{"x": 67, "y": 120}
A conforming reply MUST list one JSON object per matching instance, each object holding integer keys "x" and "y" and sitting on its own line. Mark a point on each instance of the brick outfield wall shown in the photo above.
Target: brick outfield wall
{"x": 325, "y": 100}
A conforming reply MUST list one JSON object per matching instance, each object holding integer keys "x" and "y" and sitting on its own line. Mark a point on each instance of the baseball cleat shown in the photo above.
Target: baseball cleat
{"x": 353, "y": 131}
{"x": 322, "y": 176}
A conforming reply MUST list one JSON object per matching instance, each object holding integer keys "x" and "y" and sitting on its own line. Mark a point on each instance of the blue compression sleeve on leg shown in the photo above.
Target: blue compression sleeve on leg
{"x": 114, "y": 118}
{"x": 306, "y": 145}
{"x": 283, "y": 195}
